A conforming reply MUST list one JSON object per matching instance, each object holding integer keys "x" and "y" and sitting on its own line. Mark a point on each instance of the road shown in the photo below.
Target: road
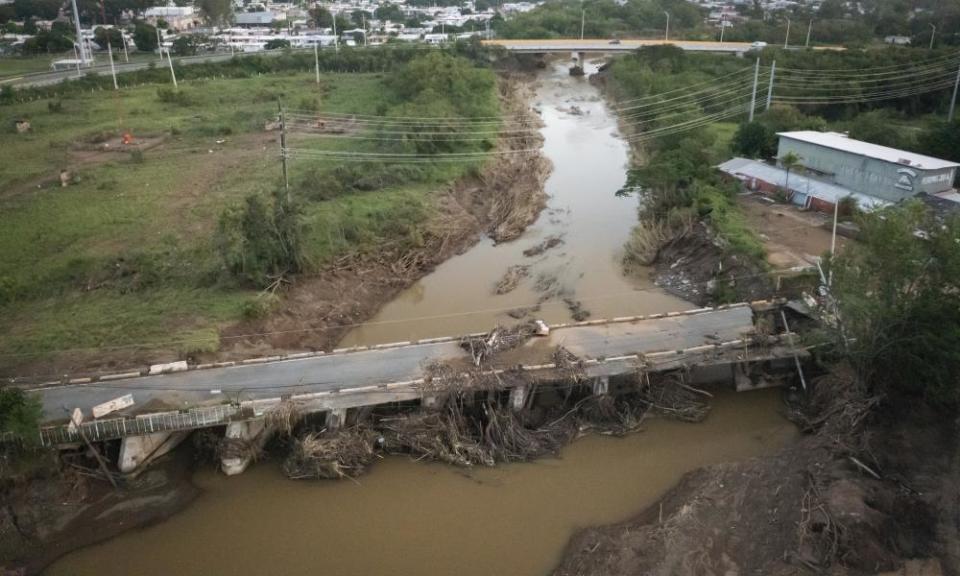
{"x": 606, "y": 45}
{"x": 46, "y": 78}
{"x": 348, "y": 370}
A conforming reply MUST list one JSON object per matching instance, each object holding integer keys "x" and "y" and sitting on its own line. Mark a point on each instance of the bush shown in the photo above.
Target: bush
{"x": 260, "y": 242}
{"x": 171, "y": 96}
{"x": 20, "y": 414}
{"x": 54, "y": 106}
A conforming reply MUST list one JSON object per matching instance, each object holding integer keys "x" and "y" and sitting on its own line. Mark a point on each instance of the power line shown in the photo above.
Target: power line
{"x": 474, "y": 312}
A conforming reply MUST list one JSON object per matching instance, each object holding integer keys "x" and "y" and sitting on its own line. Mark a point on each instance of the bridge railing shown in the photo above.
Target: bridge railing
{"x": 115, "y": 428}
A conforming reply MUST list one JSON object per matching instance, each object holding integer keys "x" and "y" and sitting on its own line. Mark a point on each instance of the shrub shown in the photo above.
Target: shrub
{"x": 54, "y": 106}
{"x": 20, "y": 414}
{"x": 171, "y": 96}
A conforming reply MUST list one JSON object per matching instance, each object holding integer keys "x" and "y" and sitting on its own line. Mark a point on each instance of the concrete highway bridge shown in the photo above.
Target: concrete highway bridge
{"x": 166, "y": 402}
{"x": 613, "y": 46}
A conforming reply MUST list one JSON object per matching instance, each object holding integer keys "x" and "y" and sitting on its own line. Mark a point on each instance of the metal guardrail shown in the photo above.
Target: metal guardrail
{"x": 114, "y": 428}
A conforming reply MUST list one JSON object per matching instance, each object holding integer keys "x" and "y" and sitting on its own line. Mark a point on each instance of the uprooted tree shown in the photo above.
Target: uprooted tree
{"x": 898, "y": 298}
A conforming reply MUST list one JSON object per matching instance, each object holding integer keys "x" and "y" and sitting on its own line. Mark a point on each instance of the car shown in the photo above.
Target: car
{"x": 615, "y": 41}
{"x": 758, "y": 45}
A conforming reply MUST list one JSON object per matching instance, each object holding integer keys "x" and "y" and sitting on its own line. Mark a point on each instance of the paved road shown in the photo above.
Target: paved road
{"x": 605, "y": 45}
{"x": 342, "y": 371}
{"x": 46, "y": 78}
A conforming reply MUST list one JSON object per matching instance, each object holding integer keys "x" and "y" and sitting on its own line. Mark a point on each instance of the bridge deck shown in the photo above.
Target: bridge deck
{"x": 351, "y": 370}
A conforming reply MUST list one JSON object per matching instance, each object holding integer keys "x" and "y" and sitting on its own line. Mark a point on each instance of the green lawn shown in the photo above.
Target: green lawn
{"x": 127, "y": 254}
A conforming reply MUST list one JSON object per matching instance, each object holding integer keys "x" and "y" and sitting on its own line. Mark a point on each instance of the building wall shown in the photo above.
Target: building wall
{"x": 886, "y": 180}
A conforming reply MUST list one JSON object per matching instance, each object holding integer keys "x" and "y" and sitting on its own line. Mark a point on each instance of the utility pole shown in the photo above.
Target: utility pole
{"x": 159, "y": 43}
{"x": 76, "y": 23}
{"x": 172, "y": 73}
{"x": 953, "y": 99}
{"x": 583, "y": 19}
{"x": 723, "y": 22}
{"x": 806, "y": 44}
{"x": 666, "y": 32}
{"x": 126, "y": 55}
{"x": 316, "y": 59}
{"x": 77, "y": 58}
{"x": 336, "y": 39}
{"x": 933, "y": 34}
{"x": 786, "y": 40}
{"x": 753, "y": 99}
{"x": 773, "y": 71}
{"x": 283, "y": 151}
{"x": 363, "y": 24}
{"x": 113, "y": 70}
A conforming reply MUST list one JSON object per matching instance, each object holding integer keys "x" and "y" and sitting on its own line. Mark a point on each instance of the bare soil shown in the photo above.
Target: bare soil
{"x": 791, "y": 237}
{"x": 810, "y": 509}
{"x": 695, "y": 267}
{"x": 51, "y": 514}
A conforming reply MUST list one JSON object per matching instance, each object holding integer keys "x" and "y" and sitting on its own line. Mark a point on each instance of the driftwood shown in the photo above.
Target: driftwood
{"x": 345, "y": 453}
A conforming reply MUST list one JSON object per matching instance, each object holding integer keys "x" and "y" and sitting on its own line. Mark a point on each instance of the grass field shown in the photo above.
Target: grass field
{"x": 11, "y": 66}
{"x": 126, "y": 254}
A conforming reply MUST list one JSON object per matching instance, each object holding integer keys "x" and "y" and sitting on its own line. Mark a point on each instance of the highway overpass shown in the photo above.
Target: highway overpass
{"x": 612, "y": 46}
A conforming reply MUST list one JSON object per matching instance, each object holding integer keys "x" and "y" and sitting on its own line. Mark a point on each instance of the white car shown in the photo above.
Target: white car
{"x": 758, "y": 45}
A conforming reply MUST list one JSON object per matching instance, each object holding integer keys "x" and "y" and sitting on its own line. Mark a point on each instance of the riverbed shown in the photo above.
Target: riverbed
{"x": 409, "y": 517}
{"x": 590, "y": 160}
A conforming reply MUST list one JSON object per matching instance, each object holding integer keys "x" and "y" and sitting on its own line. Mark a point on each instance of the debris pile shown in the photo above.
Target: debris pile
{"x": 344, "y": 453}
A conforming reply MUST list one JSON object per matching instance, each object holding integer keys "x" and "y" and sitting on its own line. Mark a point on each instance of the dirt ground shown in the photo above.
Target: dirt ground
{"x": 64, "y": 509}
{"x": 791, "y": 236}
{"x": 810, "y": 509}
{"x": 501, "y": 202}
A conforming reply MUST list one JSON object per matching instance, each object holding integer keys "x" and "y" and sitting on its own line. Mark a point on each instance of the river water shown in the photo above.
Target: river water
{"x": 417, "y": 518}
{"x": 589, "y": 160}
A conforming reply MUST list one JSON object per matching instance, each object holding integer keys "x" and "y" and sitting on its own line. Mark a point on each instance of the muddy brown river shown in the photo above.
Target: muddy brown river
{"x": 416, "y": 518}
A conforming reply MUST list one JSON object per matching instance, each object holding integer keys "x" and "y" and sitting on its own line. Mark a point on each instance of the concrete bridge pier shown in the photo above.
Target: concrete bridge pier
{"x": 518, "y": 397}
{"x": 601, "y": 386}
{"x": 336, "y": 419}
{"x": 429, "y": 401}
{"x": 136, "y": 452}
{"x": 254, "y": 432}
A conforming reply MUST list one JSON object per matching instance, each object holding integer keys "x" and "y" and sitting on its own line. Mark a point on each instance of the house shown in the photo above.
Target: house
{"x": 886, "y": 173}
{"x": 897, "y": 40}
{"x": 177, "y": 17}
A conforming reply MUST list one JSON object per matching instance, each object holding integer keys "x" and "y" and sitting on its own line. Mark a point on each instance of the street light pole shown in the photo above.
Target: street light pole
{"x": 933, "y": 34}
{"x": 723, "y": 21}
{"x": 583, "y": 19}
{"x": 159, "y": 43}
{"x": 809, "y": 29}
{"x": 786, "y": 40}
{"x": 666, "y": 32}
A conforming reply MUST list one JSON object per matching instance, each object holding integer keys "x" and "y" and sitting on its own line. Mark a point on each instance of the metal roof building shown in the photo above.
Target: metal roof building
{"x": 886, "y": 173}
{"x": 803, "y": 190}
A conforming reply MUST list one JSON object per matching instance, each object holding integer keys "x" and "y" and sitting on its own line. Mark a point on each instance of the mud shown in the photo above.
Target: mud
{"x": 695, "y": 267}
{"x": 62, "y": 508}
{"x": 811, "y": 508}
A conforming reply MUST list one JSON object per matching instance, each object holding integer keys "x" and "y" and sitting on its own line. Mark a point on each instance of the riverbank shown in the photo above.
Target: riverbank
{"x": 500, "y": 202}
{"x": 813, "y": 507}
{"x": 58, "y": 507}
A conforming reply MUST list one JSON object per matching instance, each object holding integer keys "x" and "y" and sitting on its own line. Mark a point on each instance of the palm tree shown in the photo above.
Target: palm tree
{"x": 789, "y": 161}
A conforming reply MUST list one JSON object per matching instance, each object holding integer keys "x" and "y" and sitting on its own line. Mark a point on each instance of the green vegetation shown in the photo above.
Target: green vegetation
{"x": 834, "y": 23}
{"x": 160, "y": 248}
{"x": 602, "y": 19}
{"x": 677, "y": 180}
{"x": 898, "y": 296}
{"x": 19, "y": 414}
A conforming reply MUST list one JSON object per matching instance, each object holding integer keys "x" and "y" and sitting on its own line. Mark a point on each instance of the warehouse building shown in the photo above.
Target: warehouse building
{"x": 885, "y": 173}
